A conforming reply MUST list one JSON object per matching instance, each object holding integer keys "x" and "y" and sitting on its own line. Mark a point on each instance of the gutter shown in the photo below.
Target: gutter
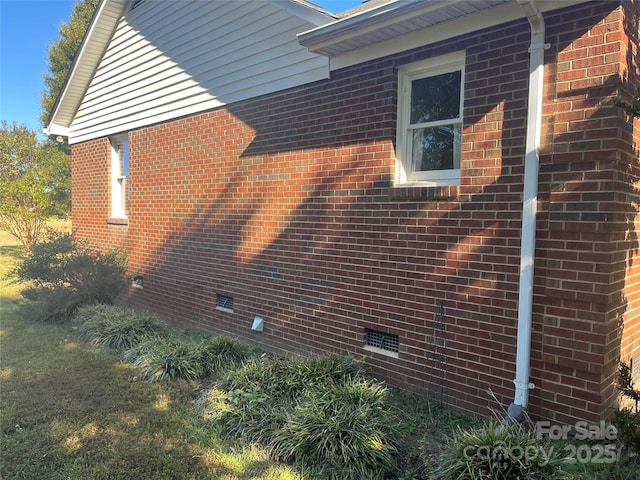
{"x": 529, "y": 207}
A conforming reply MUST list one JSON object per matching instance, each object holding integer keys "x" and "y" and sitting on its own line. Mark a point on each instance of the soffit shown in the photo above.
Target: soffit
{"x": 388, "y": 20}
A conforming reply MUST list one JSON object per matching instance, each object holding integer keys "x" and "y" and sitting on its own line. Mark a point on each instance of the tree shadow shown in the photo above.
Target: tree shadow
{"x": 293, "y": 214}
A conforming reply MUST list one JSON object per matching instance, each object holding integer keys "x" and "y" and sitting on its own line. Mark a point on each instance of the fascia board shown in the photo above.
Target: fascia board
{"x": 107, "y": 16}
{"x": 335, "y": 33}
{"x": 504, "y": 13}
{"x": 344, "y": 28}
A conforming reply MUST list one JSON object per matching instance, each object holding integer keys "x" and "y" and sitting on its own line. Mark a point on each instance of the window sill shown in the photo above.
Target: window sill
{"x": 118, "y": 221}
{"x": 413, "y": 191}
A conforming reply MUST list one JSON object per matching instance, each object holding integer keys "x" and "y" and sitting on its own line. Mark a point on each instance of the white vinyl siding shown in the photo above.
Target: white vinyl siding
{"x": 170, "y": 59}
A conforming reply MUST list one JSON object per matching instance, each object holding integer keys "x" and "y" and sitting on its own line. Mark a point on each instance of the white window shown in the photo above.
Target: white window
{"x": 120, "y": 176}
{"x": 429, "y": 135}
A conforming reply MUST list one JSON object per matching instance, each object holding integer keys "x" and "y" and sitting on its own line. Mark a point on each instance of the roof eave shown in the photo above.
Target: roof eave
{"x": 98, "y": 35}
{"x": 353, "y": 32}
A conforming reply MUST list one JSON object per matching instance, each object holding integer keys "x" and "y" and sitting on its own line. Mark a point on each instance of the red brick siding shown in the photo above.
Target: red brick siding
{"x": 586, "y": 210}
{"x": 629, "y": 39}
{"x": 286, "y": 204}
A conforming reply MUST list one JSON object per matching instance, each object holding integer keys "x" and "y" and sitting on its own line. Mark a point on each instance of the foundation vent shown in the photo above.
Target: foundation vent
{"x": 381, "y": 341}
{"x": 224, "y": 302}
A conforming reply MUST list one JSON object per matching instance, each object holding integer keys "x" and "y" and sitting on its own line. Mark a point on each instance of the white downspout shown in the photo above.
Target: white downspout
{"x": 530, "y": 198}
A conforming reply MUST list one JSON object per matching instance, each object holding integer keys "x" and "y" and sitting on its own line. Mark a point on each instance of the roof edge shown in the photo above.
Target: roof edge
{"x": 100, "y": 31}
{"x": 325, "y": 40}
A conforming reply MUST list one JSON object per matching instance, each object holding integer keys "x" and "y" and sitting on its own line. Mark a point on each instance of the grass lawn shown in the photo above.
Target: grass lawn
{"x": 69, "y": 410}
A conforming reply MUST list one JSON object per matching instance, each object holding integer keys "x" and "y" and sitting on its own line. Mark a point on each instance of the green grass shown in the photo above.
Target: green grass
{"x": 71, "y": 410}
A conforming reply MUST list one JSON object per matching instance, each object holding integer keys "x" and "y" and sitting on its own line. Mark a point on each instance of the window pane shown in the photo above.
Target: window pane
{"x": 123, "y": 153}
{"x": 435, "y": 98}
{"x": 436, "y": 148}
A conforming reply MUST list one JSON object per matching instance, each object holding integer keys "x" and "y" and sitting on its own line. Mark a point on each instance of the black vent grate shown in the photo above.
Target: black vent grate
{"x": 224, "y": 301}
{"x": 382, "y": 340}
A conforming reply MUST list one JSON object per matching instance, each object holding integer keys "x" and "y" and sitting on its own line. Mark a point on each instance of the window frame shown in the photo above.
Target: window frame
{"x": 119, "y": 181}
{"x": 404, "y": 134}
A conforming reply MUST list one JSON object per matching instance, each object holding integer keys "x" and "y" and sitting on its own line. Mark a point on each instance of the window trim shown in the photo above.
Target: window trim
{"x": 406, "y": 74}
{"x": 118, "y": 202}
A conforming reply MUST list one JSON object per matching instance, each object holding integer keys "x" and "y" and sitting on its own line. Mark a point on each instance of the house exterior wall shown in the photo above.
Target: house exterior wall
{"x": 285, "y": 203}
{"x": 587, "y": 236}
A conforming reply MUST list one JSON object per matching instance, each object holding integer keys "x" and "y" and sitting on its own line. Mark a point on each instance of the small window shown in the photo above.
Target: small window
{"x": 120, "y": 177}
{"x": 224, "y": 302}
{"x": 381, "y": 342}
{"x": 430, "y": 100}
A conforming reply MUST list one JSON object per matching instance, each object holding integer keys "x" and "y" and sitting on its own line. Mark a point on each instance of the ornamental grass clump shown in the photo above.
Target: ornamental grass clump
{"x": 218, "y": 353}
{"x": 117, "y": 328}
{"x": 348, "y": 430}
{"x": 319, "y": 413}
{"x": 500, "y": 451}
{"x": 166, "y": 358}
{"x": 183, "y": 356}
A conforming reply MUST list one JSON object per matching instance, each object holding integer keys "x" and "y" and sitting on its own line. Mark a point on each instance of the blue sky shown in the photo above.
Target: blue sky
{"x": 26, "y": 28}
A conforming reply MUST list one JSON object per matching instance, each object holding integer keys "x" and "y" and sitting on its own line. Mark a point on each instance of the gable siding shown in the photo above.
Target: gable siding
{"x": 244, "y": 50}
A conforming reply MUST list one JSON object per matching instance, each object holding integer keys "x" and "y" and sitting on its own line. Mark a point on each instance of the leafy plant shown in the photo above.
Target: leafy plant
{"x": 63, "y": 274}
{"x": 166, "y": 358}
{"x": 500, "y": 451}
{"x": 348, "y": 430}
{"x": 289, "y": 378}
{"x": 117, "y": 328}
{"x": 627, "y": 419}
{"x": 221, "y": 352}
{"x": 321, "y": 413}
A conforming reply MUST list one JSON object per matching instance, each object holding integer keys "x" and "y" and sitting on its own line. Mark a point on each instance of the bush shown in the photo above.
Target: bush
{"x": 166, "y": 358}
{"x": 321, "y": 413}
{"x": 217, "y": 353}
{"x": 64, "y": 274}
{"x": 187, "y": 357}
{"x": 627, "y": 419}
{"x": 500, "y": 452}
{"x": 348, "y": 430}
{"x": 289, "y": 378}
{"x": 117, "y": 328}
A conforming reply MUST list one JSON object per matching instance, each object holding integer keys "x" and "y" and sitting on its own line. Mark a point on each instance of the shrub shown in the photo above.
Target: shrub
{"x": 117, "y": 328}
{"x": 289, "y": 378}
{"x": 348, "y": 430}
{"x": 166, "y": 358}
{"x": 63, "y": 274}
{"x": 500, "y": 452}
{"x": 221, "y": 352}
{"x": 320, "y": 412}
{"x": 627, "y": 419}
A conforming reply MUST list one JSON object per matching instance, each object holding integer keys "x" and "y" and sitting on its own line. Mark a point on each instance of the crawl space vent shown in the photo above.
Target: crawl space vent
{"x": 382, "y": 340}
{"x": 224, "y": 302}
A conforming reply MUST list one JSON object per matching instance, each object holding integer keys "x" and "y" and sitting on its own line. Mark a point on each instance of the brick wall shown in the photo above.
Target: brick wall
{"x": 285, "y": 203}
{"x": 587, "y": 207}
